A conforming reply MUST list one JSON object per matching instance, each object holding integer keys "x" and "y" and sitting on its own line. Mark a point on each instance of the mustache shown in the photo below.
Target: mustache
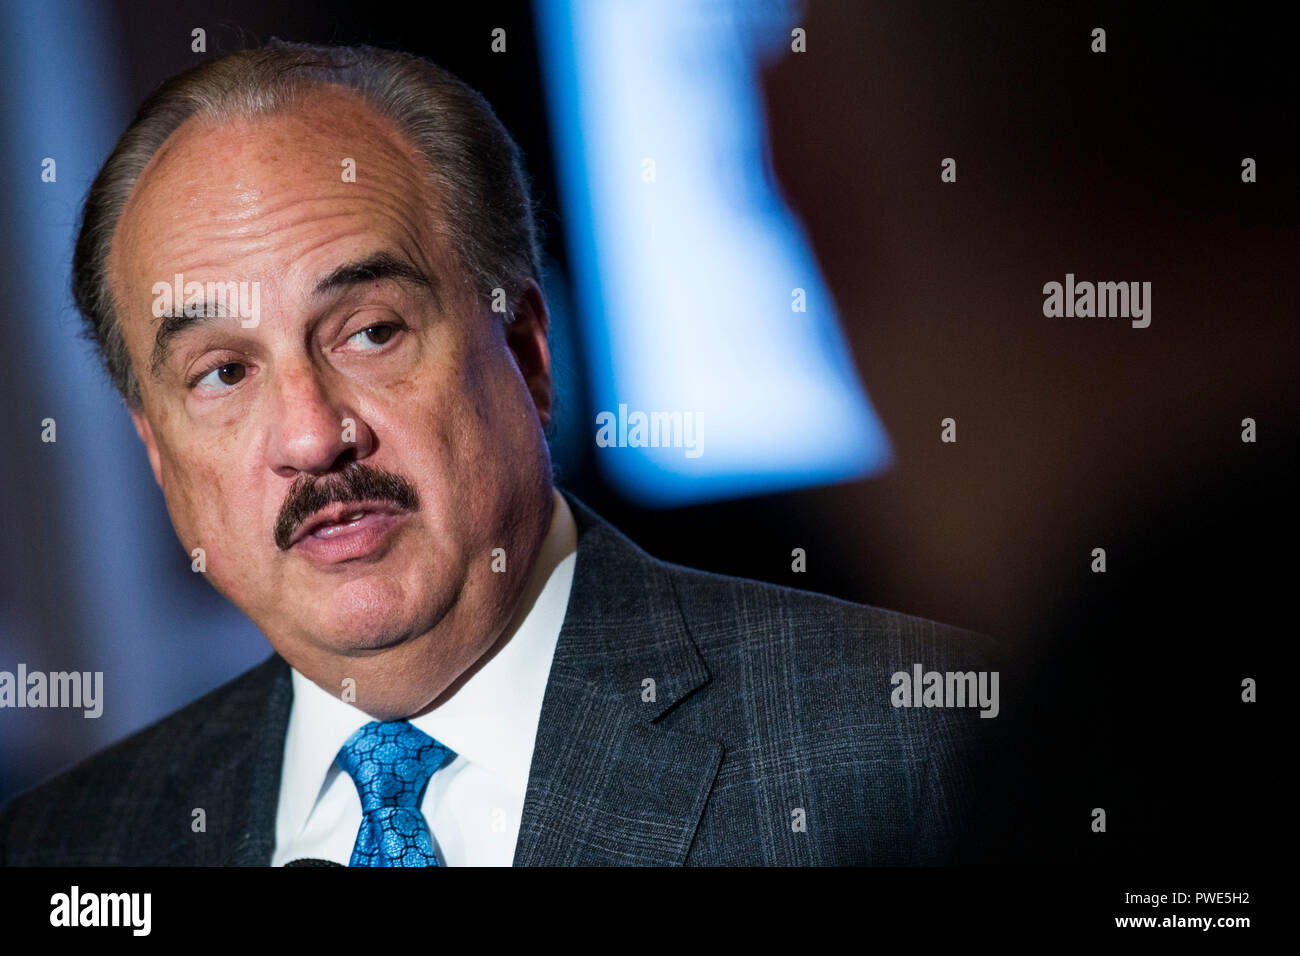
{"x": 357, "y": 482}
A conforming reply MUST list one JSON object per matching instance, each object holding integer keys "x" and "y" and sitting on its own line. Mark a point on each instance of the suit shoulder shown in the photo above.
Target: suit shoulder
{"x": 722, "y": 610}
{"x": 134, "y": 766}
{"x": 214, "y": 714}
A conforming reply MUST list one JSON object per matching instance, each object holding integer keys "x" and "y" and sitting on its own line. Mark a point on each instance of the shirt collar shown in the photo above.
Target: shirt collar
{"x": 492, "y": 718}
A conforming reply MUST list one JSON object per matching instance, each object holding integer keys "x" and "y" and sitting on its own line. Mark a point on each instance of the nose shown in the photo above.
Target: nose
{"x": 313, "y": 427}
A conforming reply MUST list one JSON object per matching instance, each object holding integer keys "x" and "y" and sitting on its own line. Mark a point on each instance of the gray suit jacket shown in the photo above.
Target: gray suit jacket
{"x": 770, "y": 738}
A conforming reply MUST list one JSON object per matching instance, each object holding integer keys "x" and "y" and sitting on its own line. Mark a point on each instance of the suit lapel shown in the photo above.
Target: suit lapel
{"x": 608, "y": 784}
{"x": 252, "y": 788}
{"x": 231, "y": 771}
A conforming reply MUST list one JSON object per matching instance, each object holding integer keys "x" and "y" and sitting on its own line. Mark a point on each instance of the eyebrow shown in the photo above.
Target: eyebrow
{"x": 376, "y": 267}
{"x": 173, "y": 324}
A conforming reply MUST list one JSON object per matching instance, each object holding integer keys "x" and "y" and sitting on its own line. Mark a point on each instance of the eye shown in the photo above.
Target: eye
{"x": 221, "y": 377}
{"x": 373, "y": 336}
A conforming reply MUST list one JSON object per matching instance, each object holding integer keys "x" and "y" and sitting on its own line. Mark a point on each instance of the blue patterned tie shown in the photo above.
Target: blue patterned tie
{"x": 391, "y": 764}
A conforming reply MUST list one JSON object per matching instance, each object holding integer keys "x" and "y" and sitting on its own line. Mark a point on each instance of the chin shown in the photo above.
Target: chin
{"x": 373, "y": 613}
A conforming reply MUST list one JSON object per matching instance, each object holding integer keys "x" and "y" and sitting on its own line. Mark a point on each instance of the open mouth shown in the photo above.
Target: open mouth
{"x": 346, "y": 530}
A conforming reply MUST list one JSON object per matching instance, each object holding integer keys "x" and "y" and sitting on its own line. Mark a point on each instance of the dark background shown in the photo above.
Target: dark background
{"x": 1073, "y": 434}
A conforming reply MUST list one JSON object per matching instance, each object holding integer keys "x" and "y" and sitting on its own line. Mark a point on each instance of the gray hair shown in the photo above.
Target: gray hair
{"x": 489, "y": 216}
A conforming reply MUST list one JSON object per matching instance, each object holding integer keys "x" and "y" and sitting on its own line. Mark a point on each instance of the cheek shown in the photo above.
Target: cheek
{"x": 209, "y": 506}
{"x": 462, "y": 398}
{"x": 470, "y": 443}
{"x": 504, "y": 462}
{"x": 491, "y": 445}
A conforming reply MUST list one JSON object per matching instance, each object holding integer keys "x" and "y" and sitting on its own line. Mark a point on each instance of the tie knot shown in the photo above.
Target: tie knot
{"x": 391, "y": 763}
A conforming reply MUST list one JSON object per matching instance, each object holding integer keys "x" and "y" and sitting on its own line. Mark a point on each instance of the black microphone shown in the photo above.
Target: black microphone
{"x": 308, "y": 861}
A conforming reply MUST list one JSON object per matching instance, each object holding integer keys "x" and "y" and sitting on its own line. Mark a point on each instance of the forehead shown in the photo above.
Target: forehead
{"x": 265, "y": 198}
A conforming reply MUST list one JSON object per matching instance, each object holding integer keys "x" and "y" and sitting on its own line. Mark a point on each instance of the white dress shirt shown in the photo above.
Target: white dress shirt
{"x": 474, "y": 803}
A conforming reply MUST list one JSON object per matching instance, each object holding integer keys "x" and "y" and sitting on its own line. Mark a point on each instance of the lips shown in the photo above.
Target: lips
{"x": 338, "y": 518}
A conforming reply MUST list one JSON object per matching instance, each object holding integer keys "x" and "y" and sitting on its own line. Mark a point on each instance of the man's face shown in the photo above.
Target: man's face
{"x": 349, "y": 464}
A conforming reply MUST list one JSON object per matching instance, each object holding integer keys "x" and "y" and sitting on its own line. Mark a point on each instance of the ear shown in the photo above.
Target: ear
{"x": 145, "y": 431}
{"x": 526, "y": 336}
